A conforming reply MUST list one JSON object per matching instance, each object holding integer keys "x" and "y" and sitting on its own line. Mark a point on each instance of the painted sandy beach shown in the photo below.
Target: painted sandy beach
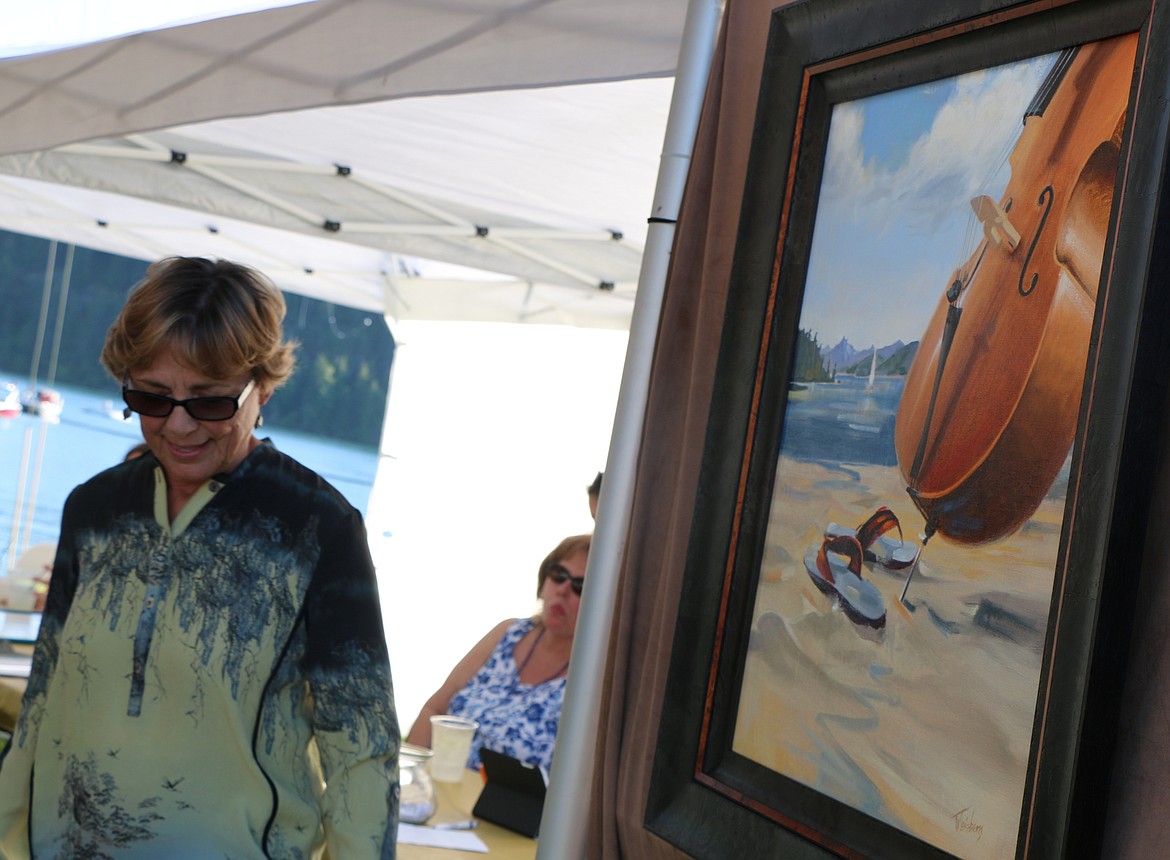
{"x": 926, "y": 724}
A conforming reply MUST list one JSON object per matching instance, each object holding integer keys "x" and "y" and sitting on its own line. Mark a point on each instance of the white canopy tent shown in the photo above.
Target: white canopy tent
{"x": 546, "y": 189}
{"x": 350, "y": 147}
{"x": 436, "y": 135}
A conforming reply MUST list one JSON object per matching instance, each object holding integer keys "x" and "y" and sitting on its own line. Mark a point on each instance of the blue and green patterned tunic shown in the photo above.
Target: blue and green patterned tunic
{"x": 213, "y": 687}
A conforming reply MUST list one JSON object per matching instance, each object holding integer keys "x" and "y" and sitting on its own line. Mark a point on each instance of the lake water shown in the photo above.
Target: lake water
{"x": 843, "y": 422}
{"x": 91, "y": 437}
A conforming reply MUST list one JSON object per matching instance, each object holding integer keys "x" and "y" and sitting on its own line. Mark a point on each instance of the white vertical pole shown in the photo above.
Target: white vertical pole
{"x": 66, "y": 277}
{"x": 18, "y": 505}
{"x": 46, "y": 293}
{"x": 18, "y": 512}
{"x": 566, "y": 807}
{"x": 30, "y": 505}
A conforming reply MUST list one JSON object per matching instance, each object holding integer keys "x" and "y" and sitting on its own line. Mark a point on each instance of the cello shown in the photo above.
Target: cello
{"x": 990, "y": 405}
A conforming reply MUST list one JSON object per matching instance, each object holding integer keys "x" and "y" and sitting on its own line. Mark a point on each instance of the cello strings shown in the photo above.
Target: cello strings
{"x": 973, "y": 232}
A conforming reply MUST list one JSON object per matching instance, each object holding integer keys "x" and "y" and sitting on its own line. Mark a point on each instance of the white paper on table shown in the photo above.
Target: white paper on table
{"x": 459, "y": 840}
{"x": 15, "y": 665}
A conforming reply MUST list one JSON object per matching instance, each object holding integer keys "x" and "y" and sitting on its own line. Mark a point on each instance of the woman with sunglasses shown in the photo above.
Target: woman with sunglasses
{"x": 513, "y": 681}
{"x": 211, "y": 676}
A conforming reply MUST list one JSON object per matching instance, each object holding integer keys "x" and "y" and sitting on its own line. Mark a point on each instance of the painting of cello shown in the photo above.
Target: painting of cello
{"x": 899, "y": 622}
{"x": 990, "y": 405}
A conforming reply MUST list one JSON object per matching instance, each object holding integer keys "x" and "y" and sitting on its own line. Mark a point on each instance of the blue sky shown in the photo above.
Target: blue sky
{"x": 888, "y": 143}
{"x": 893, "y": 221}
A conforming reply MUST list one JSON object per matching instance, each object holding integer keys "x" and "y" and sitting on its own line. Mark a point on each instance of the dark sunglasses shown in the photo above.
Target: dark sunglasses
{"x": 560, "y": 574}
{"x": 199, "y": 408}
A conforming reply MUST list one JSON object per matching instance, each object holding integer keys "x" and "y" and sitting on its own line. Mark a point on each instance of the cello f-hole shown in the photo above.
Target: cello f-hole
{"x": 1044, "y": 200}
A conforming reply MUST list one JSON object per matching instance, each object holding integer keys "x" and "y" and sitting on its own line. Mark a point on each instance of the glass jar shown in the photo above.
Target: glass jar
{"x": 417, "y": 800}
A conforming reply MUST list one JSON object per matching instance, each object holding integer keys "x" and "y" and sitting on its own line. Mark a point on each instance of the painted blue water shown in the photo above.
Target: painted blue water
{"x": 843, "y": 422}
{"x": 90, "y": 437}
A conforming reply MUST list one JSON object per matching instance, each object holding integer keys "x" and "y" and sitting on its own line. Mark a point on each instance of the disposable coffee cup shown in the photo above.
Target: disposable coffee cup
{"x": 451, "y": 742}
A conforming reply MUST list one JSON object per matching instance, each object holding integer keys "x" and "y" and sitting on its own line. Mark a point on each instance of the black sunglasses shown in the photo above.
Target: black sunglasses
{"x": 199, "y": 408}
{"x": 561, "y": 574}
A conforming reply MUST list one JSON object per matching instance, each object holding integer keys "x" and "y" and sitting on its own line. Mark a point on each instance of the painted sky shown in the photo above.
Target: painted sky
{"x": 894, "y": 218}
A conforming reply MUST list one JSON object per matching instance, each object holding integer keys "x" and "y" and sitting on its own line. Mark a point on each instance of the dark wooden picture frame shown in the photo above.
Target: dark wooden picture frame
{"x": 705, "y": 797}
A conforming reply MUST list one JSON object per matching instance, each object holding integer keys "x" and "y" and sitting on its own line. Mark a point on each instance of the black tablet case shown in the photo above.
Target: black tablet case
{"x": 513, "y": 796}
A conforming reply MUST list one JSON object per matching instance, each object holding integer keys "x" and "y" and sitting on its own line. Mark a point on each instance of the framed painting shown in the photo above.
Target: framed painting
{"x": 925, "y": 481}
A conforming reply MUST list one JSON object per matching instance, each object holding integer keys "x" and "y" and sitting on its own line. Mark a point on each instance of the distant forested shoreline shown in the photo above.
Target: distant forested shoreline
{"x": 343, "y": 364}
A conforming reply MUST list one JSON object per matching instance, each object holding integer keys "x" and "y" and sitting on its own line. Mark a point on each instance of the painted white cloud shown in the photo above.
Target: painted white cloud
{"x": 897, "y": 231}
{"x": 972, "y": 134}
{"x": 844, "y": 160}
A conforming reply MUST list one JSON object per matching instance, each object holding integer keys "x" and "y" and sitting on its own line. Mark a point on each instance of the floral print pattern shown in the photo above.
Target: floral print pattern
{"x": 516, "y": 719}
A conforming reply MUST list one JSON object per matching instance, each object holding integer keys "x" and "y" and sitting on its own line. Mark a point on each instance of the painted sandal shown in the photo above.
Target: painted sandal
{"x": 877, "y": 546}
{"x": 835, "y": 569}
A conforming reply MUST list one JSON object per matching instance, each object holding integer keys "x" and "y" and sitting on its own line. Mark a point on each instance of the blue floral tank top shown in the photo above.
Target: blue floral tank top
{"x": 516, "y": 719}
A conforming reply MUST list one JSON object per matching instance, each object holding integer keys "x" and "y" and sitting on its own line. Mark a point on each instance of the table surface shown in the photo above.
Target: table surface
{"x": 11, "y": 689}
{"x": 455, "y": 801}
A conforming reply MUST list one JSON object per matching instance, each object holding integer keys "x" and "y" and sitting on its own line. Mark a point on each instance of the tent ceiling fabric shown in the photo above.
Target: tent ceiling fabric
{"x": 146, "y": 145}
{"x": 325, "y": 269}
{"x": 329, "y": 52}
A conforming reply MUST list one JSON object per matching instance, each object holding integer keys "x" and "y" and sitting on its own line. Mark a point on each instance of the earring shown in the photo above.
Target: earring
{"x": 259, "y": 420}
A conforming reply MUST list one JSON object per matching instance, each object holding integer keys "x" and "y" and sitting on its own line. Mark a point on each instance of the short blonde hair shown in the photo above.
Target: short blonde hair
{"x": 221, "y": 318}
{"x": 566, "y": 548}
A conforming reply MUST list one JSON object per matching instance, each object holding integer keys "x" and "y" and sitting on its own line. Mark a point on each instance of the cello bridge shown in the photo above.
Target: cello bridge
{"x": 996, "y": 226}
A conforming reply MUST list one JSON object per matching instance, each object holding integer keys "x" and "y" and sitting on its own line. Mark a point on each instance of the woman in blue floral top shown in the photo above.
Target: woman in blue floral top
{"x": 513, "y": 681}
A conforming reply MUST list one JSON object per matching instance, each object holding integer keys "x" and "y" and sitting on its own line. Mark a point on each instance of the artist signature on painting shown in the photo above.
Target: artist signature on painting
{"x": 965, "y": 823}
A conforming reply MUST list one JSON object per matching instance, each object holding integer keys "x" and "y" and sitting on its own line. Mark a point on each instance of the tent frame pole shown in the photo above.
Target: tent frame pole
{"x": 566, "y": 806}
